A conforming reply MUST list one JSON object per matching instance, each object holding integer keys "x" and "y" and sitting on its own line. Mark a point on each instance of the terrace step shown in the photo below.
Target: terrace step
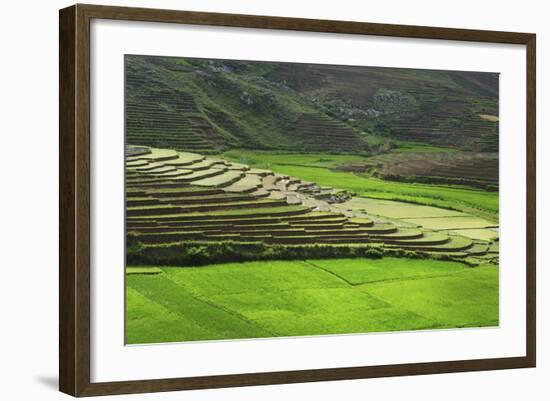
{"x": 145, "y": 201}
{"x": 453, "y": 244}
{"x": 478, "y": 249}
{"x": 152, "y": 211}
{"x": 400, "y": 234}
{"x": 381, "y": 229}
{"x": 312, "y": 239}
{"x": 175, "y": 173}
{"x": 338, "y": 233}
{"x": 199, "y": 175}
{"x": 154, "y": 166}
{"x": 188, "y": 222}
{"x": 429, "y": 238}
{"x": 185, "y": 159}
{"x": 276, "y": 212}
{"x": 225, "y": 179}
{"x": 185, "y": 191}
{"x": 211, "y": 199}
{"x": 231, "y": 206}
{"x": 319, "y": 226}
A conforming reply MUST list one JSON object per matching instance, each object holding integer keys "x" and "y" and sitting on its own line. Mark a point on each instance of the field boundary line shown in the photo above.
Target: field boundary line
{"x": 219, "y": 307}
{"x": 389, "y": 280}
{"x": 329, "y": 272}
{"x": 467, "y": 270}
{"x": 179, "y": 315}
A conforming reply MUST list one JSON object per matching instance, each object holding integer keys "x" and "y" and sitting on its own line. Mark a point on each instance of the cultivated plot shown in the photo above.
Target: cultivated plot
{"x": 311, "y": 297}
{"x": 268, "y": 199}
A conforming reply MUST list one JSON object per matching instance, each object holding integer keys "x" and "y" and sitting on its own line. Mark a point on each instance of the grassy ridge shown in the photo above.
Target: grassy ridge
{"x": 280, "y": 298}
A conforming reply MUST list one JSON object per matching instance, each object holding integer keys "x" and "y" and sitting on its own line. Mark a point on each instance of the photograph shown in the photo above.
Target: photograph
{"x": 272, "y": 199}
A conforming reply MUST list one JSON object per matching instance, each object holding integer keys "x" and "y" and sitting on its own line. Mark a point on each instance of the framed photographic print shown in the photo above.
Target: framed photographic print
{"x": 250, "y": 200}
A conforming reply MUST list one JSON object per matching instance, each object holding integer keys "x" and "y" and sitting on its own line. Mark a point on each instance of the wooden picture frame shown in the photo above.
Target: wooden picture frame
{"x": 74, "y": 204}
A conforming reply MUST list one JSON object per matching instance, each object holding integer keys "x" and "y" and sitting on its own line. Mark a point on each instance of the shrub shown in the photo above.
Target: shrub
{"x": 132, "y": 244}
{"x": 200, "y": 253}
{"x": 374, "y": 253}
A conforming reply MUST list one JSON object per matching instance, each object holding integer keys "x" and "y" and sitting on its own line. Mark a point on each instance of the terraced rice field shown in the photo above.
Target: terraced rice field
{"x": 451, "y": 223}
{"x": 180, "y": 197}
{"x": 310, "y": 297}
{"x": 399, "y": 210}
{"x": 484, "y": 234}
{"x": 268, "y": 199}
{"x": 481, "y": 231}
{"x": 319, "y": 133}
{"x": 162, "y": 116}
{"x": 437, "y": 124}
{"x": 322, "y": 169}
{"x": 461, "y": 168}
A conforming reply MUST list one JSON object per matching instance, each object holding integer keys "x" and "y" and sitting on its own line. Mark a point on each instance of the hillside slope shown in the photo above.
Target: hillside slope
{"x": 213, "y": 105}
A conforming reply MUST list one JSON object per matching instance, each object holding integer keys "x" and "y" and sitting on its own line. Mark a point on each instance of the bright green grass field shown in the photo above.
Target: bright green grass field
{"x": 269, "y": 158}
{"x": 313, "y": 297}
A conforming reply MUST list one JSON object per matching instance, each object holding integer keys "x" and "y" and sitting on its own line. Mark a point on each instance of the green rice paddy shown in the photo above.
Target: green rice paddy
{"x": 398, "y": 210}
{"x": 485, "y": 234}
{"x": 451, "y": 222}
{"x": 311, "y": 297}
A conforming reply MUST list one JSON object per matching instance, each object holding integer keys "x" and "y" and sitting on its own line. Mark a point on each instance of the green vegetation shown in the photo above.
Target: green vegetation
{"x": 458, "y": 198}
{"x": 300, "y": 280}
{"x": 173, "y": 299}
{"x": 360, "y": 271}
{"x": 261, "y": 215}
{"x": 469, "y": 299}
{"x": 451, "y": 197}
{"x": 266, "y": 159}
{"x": 419, "y": 147}
{"x": 143, "y": 270}
{"x": 269, "y": 299}
{"x": 481, "y": 234}
{"x": 211, "y": 105}
{"x": 279, "y": 199}
{"x": 397, "y": 210}
{"x": 191, "y": 253}
{"x": 451, "y": 222}
{"x": 478, "y": 170}
{"x": 237, "y": 212}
